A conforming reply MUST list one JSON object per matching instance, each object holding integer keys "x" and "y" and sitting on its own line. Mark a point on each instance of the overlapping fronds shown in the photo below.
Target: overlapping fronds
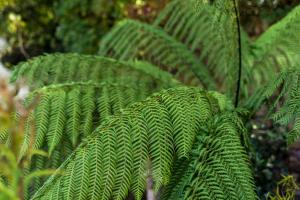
{"x": 73, "y": 110}
{"x": 66, "y": 68}
{"x": 66, "y": 113}
{"x": 218, "y": 167}
{"x": 277, "y": 48}
{"x": 135, "y": 40}
{"x": 209, "y": 30}
{"x": 146, "y": 137}
{"x": 282, "y": 95}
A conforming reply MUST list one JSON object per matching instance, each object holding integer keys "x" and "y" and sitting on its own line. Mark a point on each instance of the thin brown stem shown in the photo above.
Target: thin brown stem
{"x": 21, "y": 45}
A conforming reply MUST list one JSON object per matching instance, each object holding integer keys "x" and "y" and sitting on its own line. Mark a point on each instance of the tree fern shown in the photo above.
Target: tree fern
{"x": 136, "y": 40}
{"x": 209, "y": 30}
{"x": 115, "y": 146}
{"x": 74, "y": 109}
{"x": 66, "y": 68}
{"x": 67, "y": 113}
{"x": 213, "y": 153}
{"x": 190, "y": 142}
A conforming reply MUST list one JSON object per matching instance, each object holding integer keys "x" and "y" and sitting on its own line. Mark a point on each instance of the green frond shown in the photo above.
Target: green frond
{"x": 135, "y": 40}
{"x": 39, "y": 163}
{"x": 88, "y": 107}
{"x": 278, "y": 47}
{"x": 82, "y": 165}
{"x": 57, "y": 120}
{"x": 124, "y": 159}
{"x": 209, "y": 30}
{"x": 76, "y": 108}
{"x": 218, "y": 168}
{"x": 73, "y": 115}
{"x": 281, "y": 92}
{"x": 294, "y": 134}
{"x": 140, "y": 154}
{"x": 160, "y": 142}
{"x": 142, "y": 137}
{"x": 69, "y": 179}
{"x": 64, "y": 114}
{"x": 28, "y": 129}
{"x": 70, "y": 67}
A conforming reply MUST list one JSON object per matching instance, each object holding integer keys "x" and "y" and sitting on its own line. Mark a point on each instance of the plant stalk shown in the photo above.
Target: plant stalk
{"x": 237, "y": 94}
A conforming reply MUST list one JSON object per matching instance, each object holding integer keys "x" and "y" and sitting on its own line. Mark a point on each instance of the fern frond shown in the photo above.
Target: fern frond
{"x": 135, "y": 40}
{"x": 209, "y": 30}
{"x": 66, "y": 68}
{"x": 82, "y": 179}
{"x": 73, "y": 118}
{"x": 218, "y": 168}
{"x": 283, "y": 92}
{"x": 140, "y": 154}
{"x": 147, "y": 127}
{"x": 160, "y": 141}
{"x": 65, "y": 113}
{"x": 277, "y": 48}
{"x": 76, "y": 108}
{"x": 57, "y": 119}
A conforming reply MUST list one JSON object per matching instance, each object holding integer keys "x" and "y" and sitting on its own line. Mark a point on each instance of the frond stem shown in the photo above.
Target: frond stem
{"x": 237, "y": 94}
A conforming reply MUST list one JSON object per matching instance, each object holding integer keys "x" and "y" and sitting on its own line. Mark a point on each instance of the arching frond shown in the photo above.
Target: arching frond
{"x": 66, "y": 113}
{"x": 69, "y": 67}
{"x": 287, "y": 99}
{"x": 74, "y": 109}
{"x": 135, "y": 40}
{"x": 277, "y": 48}
{"x": 209, "y": 30}
{"x": 145, "y": 137}
{"x": 218, "y": 167}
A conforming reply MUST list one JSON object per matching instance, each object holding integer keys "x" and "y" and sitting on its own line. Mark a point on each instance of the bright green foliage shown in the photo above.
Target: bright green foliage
{"x": 207, "y": 30}
{"x": 75, "y": 109}
{"x": 198, "y": 25}
{"x": 67, "y": 113}
{"x": 146, "y": 137}
{"x": 288, "y": 99}
{"x": 188, "y": 141}
{"x": 277, "y": 48}
{"x": 188, "y": 29}
{"x": 136, "y": 40}
{"x": 217, "y": 151}
{"x": 65, "y": 68}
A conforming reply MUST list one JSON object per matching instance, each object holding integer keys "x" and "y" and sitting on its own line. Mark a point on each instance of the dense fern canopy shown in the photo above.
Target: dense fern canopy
{"x": 67, "y": 112}
{"x": 194, "y": 27}
{"x": 145, "y": 137}
{"x": 92, "y": 117}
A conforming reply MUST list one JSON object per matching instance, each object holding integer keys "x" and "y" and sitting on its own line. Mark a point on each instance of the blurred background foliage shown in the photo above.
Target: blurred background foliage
{"x": 258, "y": 15}
{"x": 34, "y": 27}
